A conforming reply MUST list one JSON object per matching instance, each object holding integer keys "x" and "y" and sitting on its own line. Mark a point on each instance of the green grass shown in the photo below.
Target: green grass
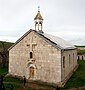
{"x": 15, "y": 86}
{"x": 13, "y": 79}
{"x": 81, "y": 52}
{"x": 8, "y": 81}
{"x": 78, "y": 78}
{"x": 6, "y": 44}
{"x": 3, "y": 71}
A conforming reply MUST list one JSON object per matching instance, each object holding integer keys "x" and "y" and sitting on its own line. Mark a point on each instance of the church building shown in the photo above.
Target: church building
{"x": 41, "y": 56}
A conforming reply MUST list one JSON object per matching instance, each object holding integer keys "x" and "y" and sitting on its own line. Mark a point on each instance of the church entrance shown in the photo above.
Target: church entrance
{"x": 31, "y": 72}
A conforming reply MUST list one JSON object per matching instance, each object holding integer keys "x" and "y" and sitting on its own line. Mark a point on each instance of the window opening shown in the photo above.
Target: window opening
{"x": 31, "y": 55}
{"x": 69, "y": 59}
{"x": 63, "y": 61}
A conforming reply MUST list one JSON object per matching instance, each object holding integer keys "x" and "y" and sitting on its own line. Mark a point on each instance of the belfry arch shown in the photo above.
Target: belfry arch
{"x": 38, "y": 21}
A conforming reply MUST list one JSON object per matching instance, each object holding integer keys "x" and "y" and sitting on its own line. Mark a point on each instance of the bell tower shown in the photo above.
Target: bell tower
{"x": 38, "y": 21}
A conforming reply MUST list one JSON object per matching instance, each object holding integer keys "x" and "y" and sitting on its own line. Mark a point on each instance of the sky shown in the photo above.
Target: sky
{"x": 63, "y": 18}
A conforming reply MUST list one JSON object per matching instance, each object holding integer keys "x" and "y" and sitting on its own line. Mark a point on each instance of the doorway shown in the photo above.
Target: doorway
{"x": 31, "y": 72}
{"x": 82, "y": 58}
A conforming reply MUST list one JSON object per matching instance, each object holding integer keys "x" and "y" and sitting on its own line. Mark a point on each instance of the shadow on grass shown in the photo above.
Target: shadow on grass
{"x": 8, "y": 86}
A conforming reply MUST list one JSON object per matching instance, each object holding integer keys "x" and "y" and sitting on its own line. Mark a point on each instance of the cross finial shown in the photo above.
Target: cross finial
{"x": 38, "y": 8}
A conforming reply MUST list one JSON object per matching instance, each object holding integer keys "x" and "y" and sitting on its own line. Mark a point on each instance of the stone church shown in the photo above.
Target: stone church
{"x": 41, "y": 56}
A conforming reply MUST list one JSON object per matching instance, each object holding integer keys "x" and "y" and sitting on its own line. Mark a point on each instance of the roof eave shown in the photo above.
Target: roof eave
{"x": 21, "y": 38}
{"x": 45, "y": 38}
{"x": 66, "y": 49}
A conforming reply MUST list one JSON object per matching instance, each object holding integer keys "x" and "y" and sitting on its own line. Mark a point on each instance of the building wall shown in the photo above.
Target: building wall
{"x": 46, "y": 59}
{"x": 70, "y": 63}
{"x": 81, "y": 57}
{"x": 81, "y": 48}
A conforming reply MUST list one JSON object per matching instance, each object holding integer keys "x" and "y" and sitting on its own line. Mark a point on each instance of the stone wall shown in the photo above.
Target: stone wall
{"x": 81, "y": 57}
{"x": 81, "y": 54}
{"x": 70, "y": 62}
{"x": 46, "y": 59}
{"x": 81, "y": 48}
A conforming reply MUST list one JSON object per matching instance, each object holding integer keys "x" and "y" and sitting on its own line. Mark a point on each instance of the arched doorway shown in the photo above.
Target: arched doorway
{"x": 82, "y": 58}
{"x": 31, "y": 72}
{"x": 78, "y": 58}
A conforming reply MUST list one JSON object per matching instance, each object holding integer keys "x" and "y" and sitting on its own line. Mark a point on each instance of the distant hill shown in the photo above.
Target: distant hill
{"x": 4, "y": 54}
{"x": 6, "y": 44}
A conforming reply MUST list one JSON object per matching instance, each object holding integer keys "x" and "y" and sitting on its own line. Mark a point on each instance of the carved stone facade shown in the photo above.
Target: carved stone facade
{"x": 36, "y": 59}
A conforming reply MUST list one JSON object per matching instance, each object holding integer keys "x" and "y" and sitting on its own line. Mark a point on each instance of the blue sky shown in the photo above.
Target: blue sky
{"x": 63, "y": 18}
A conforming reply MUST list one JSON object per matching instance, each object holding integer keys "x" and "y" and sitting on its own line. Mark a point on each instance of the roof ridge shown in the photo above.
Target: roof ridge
{"x": 53, "y": 40}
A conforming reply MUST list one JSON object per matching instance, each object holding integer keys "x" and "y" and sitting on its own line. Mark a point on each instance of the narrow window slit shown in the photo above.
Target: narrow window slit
{"x": 31, "y": 55}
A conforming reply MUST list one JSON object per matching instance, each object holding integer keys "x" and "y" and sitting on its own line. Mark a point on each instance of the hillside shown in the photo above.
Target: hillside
{"x": 6, "y": 44}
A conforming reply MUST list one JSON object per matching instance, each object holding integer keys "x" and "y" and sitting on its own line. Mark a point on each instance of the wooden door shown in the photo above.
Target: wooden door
{"x": 31, "y": 72}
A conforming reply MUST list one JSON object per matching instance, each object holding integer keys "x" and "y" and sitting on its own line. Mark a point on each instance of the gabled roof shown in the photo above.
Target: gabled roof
{"x": 53, "y": 40}
{"x": 59, "y": 41}
{"x": 38, "y": 16}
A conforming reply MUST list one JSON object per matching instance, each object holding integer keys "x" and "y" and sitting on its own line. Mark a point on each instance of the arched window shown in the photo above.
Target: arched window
{"x": 63, "y": 61}
{"x": 73, "y": 57}
{"x": 82, "y": 58}
{"x": 69, "y": 58}
{"x": 78, "y": 58}
{"x": 40, "y": 23}
{"x": 31, "y": 55}
{"x": 36, "y": 22}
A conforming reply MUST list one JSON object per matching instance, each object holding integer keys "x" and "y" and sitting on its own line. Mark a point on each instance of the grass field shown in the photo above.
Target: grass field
{"x": 77, "y": 80}
{"x": 6, "y": 44}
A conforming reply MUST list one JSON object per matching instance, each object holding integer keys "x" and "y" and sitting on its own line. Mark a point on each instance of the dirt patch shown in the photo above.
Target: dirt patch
{"x": 36, "y": 87}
